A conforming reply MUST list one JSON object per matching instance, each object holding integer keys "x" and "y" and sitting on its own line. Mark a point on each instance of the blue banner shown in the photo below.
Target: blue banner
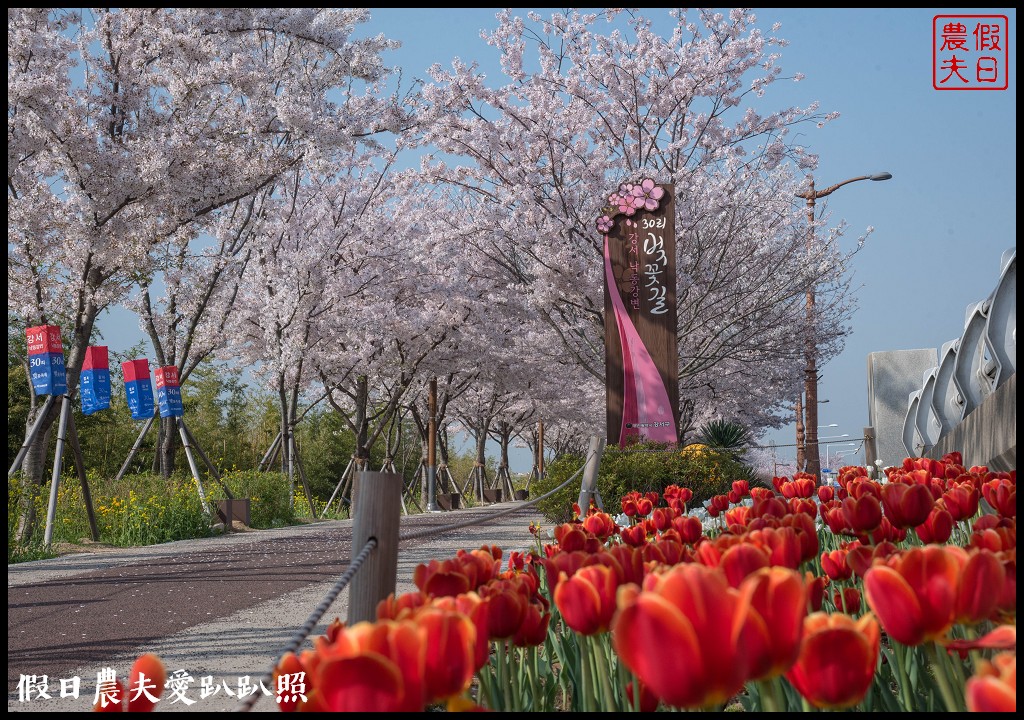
{"x": 95, "y": 390}
{"x": 169, "y": 399}
{"x": 48, "y": 374}
{"x": 139, "y": 394}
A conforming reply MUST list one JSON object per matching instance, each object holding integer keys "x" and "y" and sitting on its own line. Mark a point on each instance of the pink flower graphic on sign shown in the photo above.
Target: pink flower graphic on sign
{"x": 646, "y": 195}
{"x": 627, "y": 200}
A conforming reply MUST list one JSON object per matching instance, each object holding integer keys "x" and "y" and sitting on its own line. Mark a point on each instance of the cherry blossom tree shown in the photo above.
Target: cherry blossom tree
{"x": 583, "y": 109}
{"x": 126, "y": 126}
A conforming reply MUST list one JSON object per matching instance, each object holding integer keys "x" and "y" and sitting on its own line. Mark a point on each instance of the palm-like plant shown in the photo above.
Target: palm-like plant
{"x": 727, "y": 437}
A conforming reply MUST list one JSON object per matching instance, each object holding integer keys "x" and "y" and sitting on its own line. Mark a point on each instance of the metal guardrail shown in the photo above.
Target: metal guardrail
{"x": 970, "y": 367}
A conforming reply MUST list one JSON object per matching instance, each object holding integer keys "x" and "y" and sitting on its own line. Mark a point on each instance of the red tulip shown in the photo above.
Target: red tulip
{"x": 689, "y": 528}
{"x": 938, "y": 527}
{"x": 835, "y": 566}
{"x": 648, "y": 700}
{"x": 803, "y": 505}
{"x": 885, "y": 532}
{"x": 915, "y": 595}
{"x": 994, "y": 687}
{"x": 738, "y": 516}
{"x": 741, "y": 560}
{"x": 601, "y": 525}
{"x": 630, "y": 563}
{"x": 644, "y": 506}
{"x": 760, "y": 493}
{"x": 779, "y": 597}
{"x": 826, "y": 493}
{"x": 847, "y": 600}
{"x": 815, "y": 591}
{"x": 836, "y": 665}
{"x": 587, "y": 599}
{"x": 534, "y": 629}
{"x": 769, "y": 507}
{"x": 1001, "y": 494}
{"x": 832, "y": 513}
{"x": 906, "y": 505}
{"x": 961, "y": 500}
{"x": 741, "y": 487}
{"x": 862, "y": 514}
{"x": 979, "y": 587}
{"x": 634, "y": 536}
{"x": 440, "y": 578}
{"x": 717, "y": 505}
{"x": 449, "y": 661}
{"x": 662, "y": 518}
{"x": 506, "y": 607}
{"x": 692, "y": 610}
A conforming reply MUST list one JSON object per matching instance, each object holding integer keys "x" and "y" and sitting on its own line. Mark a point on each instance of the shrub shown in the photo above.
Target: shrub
{"x": 643, "y": 467}
{"x": 269, "y": 504}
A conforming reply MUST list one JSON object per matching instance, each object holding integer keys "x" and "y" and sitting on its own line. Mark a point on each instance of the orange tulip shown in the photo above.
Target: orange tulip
{"x": 994, "y": 687}
{"x": 692, "y": 610}
{"x": 836, "y": 665}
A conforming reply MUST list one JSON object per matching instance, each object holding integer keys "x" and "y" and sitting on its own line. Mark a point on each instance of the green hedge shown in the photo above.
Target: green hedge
{"x": 643, "y": 467}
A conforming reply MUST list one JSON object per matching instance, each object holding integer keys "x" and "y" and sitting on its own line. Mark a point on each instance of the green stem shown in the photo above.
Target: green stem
{"x": 599, "y": 657}
{"x": 898, "y": 654}
{"x": 511, "y": 696}
{"x": 766, "y": 692}
{"x": 530, "y": 661}
{"x": 945, "y": 688}
{"x": 586, "y": 680}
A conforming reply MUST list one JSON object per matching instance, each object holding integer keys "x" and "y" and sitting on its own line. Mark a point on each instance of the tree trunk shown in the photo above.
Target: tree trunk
{"x": 33, "y": 469}
{"x": 481, "y": 457}
{"x": 168, "y": 451}
{"x": 361, "y": 422}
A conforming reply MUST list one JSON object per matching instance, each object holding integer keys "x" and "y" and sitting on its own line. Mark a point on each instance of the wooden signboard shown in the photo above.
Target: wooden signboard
{"x": 641, "y": 355}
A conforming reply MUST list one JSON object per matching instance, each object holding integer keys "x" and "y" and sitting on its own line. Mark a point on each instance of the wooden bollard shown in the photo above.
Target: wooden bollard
{"x": 377, "y": 502}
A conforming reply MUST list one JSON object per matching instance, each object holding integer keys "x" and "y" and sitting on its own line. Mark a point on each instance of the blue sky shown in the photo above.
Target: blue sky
{"x": 941, "y": 223}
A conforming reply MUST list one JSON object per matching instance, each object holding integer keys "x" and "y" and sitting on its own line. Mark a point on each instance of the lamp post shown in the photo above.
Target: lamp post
{"x": 809, "y": 440}
{"x": 838, "y": 453}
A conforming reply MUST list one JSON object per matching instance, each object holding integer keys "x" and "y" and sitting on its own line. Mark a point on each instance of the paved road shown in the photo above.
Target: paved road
{"x": 221, "y": 608}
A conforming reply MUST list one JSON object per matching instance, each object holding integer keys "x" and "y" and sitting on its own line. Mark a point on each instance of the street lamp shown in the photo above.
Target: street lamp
{"x": 827, "y": 465}
{"x": 808, "y": 441}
